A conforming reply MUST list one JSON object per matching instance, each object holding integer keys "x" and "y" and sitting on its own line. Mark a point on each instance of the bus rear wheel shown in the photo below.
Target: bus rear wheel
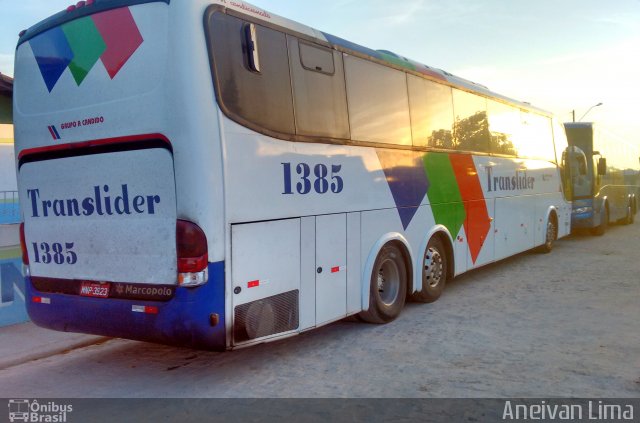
{"x": 388, "y": 290}
{"x": 434, "y": 272}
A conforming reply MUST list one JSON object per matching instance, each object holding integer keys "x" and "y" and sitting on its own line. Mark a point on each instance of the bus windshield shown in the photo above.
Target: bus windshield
{"x": 580, "y": 181}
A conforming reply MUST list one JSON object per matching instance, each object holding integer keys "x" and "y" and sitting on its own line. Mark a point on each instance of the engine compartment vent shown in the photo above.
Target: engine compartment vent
{"x": 265, "y": 317}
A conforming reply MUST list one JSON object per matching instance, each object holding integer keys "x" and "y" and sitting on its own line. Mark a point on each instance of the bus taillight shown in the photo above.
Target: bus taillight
{"x": 193, "y": 257}
{"x": 23, "y": 246}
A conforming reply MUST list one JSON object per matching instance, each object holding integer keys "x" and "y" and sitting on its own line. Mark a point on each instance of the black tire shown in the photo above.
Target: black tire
{"x": 631, "y": 215}
{"x": 551, "y": 236}
{"x": 434, "y": 272}
{"x": 604, "y": 224}
{"x": 388, "y": 287}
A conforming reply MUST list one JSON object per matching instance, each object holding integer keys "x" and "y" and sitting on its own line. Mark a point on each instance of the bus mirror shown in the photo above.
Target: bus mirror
{"x": 602, "y": 166}
{"x": 597, "y": 153}
{"x": 251, "y": 41}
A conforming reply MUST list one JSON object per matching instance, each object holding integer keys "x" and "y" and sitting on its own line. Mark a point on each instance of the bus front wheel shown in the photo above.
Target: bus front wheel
{"x": 551, "y": 235}
{"x": 388, "y": 290}
{"x": 434, "y": 272}
{"x": 604, "y": 224}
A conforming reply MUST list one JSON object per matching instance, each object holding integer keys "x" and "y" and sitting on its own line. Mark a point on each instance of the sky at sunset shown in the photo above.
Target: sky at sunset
{"x": 560, "y": 55}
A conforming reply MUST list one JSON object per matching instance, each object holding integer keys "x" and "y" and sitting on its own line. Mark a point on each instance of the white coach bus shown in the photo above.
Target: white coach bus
{"x": 205, "y": 173}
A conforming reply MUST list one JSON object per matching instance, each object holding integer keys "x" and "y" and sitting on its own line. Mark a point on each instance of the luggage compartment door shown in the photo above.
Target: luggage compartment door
{"x": 265, "y": 274}
{"x": 331, "y": 263}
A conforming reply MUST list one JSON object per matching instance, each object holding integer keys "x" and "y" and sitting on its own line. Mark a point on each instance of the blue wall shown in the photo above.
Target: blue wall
{"x": 12, "y": 306}
{"x": 9, "y": 211}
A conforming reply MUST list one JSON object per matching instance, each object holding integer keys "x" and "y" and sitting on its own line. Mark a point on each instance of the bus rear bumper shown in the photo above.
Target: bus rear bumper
{"x": 194, "y": 317}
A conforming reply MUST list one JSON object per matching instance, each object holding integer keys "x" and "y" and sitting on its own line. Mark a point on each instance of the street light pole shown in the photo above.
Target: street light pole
{"x": 583, "y": 116}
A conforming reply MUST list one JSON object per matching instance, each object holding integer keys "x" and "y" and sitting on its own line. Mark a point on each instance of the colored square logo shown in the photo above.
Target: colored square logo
{"x": 111, "y": 37}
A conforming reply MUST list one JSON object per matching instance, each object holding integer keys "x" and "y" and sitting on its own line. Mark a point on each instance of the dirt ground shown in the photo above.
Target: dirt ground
{"x": 558, "y": 325}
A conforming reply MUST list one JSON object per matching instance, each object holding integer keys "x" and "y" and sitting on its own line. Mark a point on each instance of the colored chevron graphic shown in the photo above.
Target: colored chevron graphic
{"x": 111, "y": 37}
{"x": 452, "y": 186}
{"x": 478, "y": 223}
{"x": 407, "y": 181}
{"x": 444, "y": 194}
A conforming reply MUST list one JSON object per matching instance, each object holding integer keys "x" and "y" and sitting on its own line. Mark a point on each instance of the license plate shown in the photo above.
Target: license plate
{"x": 92, "y": 289}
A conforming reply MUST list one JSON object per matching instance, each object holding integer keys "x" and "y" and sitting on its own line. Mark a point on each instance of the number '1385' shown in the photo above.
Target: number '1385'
{"x": 46, "y": 253}
{"x": 318, "y": 179}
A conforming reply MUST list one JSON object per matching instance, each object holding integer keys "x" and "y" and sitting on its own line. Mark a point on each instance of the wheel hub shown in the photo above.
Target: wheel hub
{"x": 433, "y": 267}
{"x": 388, "y": 282}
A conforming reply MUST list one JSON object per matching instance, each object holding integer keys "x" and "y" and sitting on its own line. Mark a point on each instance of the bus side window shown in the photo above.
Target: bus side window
{"x": 504, "y": 123}
{"x": 320, "y": 98}
{"x": 471, "y": 126}
{"x": 252, "y": 84}
{"x": 431, "y": 107}
{"x": 537, "y": 137}
{"x": 378, "y": 102}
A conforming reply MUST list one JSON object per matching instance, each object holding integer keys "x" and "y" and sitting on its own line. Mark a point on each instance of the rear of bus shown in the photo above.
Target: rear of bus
{"x": 119, "y": 173}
